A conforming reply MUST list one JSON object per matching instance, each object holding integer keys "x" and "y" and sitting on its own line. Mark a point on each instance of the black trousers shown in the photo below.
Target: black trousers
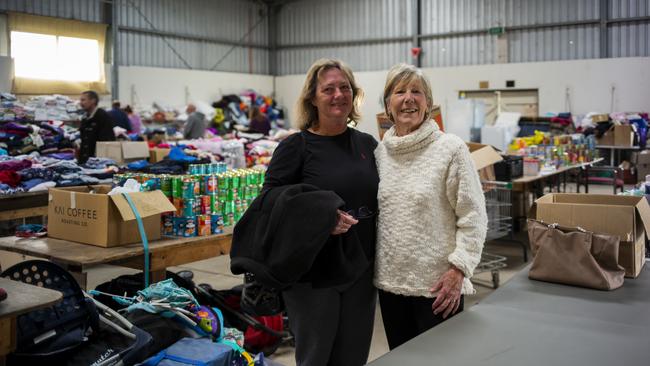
{"x": 406, "y": 317}
{"x": 332, "y": 327}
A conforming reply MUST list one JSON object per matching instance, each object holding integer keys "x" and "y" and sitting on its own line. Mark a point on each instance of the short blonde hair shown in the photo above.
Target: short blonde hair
{"x": 306, "y": 112}
{"x": 405, "y": 74}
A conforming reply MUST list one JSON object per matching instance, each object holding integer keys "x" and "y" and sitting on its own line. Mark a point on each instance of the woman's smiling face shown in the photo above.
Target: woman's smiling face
{"x": 408, "y": 105}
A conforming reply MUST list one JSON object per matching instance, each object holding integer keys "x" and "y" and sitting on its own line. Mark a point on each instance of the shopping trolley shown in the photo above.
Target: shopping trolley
{"x": 498, "y": 202}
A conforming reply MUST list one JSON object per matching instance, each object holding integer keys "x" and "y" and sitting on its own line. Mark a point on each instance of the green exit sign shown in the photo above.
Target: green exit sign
{"x": 496, "y": 30}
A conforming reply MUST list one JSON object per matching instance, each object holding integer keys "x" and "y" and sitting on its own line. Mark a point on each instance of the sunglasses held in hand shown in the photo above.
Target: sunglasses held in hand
{"x": 362, "y": 212}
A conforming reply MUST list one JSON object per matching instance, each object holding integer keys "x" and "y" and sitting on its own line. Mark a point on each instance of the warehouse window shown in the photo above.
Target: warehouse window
{"x": 46, "y": 57}
{"x": 56, "y": 55}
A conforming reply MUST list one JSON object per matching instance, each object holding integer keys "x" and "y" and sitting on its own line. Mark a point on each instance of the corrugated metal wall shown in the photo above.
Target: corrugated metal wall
{"x": 201, "y": 25}
{"x": 309, "y": 22}
{"x": 455, "y": 32}
{"x": 368, "y": 34}
{"x": 206, "y": 30}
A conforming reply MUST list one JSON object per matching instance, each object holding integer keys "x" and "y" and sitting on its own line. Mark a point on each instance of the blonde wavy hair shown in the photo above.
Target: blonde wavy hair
{"x": 404, "y": 74}
{"x": 306, "y": 112}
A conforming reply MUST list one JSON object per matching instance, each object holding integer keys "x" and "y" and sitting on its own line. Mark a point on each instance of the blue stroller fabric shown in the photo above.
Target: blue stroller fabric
{"x": 191, "y": 351}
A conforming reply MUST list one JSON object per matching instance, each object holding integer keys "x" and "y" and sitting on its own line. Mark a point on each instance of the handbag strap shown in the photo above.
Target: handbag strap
{"x": 561, "y": 227}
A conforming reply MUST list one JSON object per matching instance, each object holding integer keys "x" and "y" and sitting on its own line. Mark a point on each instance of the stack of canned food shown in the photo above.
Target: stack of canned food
{"x": 205, "y": 202}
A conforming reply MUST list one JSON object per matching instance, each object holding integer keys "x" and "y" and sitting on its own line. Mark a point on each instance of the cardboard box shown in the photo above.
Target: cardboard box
{"x": 623, "y": 135}
{"x": 625, "y": 216}
{"x": 640, "y": 157}
{"x": 383, "y": 124}
{"x": 598, "y": 118}
{"x": 642, "y": 170}
{"x": 484, "y": 157}
{"x": 76, "y": 214}
{"x": 641, "y": 161}
{"x": 122, "y": 151}
{"x": 158, "y": 154}
{"x": 618, "y": 135}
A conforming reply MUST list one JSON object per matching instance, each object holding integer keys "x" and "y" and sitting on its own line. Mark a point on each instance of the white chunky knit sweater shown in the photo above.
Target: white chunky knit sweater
{"x": 431, "y": 211}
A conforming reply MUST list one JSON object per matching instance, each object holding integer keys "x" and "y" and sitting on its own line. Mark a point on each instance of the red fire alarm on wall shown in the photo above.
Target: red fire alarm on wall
{"x": 415, "y": 51}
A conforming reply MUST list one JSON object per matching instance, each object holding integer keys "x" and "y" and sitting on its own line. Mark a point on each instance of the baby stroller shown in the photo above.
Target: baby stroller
{"x": 263, "y": 332}
{"x": 257, "y": 313}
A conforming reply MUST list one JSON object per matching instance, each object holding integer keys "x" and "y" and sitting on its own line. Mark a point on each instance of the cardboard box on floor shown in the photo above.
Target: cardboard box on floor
{"x": 625, "y": 216}
{"x": 89, "y": 215}
{"x": 158, "y": 154}
{"x": 641, "y": 161}
{"x": 122, "y": 151}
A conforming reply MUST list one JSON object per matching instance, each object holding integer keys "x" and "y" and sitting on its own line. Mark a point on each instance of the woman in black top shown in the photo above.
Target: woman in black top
{"x": 333, "y": 324}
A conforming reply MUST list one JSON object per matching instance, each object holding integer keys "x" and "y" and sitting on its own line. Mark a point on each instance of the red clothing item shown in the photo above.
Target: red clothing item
{"x": 9, "y": 177}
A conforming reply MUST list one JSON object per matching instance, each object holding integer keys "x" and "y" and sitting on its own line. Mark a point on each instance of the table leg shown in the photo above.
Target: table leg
{"x": 587, "y": 178}
{"x": 157, "y": 276}
{"x": 7, "y": 337}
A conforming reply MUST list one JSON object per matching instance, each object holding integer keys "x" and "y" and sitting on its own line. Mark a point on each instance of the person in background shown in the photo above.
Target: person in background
{"x": 432, "y": 218}
{"x": 259, "y": 122}
{"x": 97, "y": 125}
{"x": 332, "y": 324}
{"x": 120, "y": 119}
{"x": 195, "y": 125}
{"x": 134, "y": 119}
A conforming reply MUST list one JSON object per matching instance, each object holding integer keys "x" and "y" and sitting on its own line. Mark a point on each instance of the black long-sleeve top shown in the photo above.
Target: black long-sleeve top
{"x": 99, "y": 127}
{"x": 344, "y": 164}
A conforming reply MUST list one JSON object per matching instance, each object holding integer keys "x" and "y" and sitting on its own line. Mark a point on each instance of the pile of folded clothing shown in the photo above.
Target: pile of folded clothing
{"x": 38, "y": 108}
{"x": 31, "y": 174}
{"x": 48, "y": 139}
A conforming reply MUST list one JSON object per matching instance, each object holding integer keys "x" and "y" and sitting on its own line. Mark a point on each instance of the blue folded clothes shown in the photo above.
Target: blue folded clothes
{"x": 136, "y": 165}
{"x": 178, "y": 155}
{"x": 70, "y": 182}
{"x": 29, "y": 184}
{"x": 98, "y": 163}
{"x": 42, "y": 173}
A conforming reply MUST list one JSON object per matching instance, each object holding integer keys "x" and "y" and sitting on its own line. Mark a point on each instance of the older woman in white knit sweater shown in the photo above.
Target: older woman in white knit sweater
{"x": 432, "y": 218}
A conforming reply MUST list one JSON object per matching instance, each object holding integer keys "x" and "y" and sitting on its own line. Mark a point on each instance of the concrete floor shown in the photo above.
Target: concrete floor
{"x": 216, "y": 272}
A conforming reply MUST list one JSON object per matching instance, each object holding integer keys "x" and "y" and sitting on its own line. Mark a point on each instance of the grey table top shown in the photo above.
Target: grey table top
{"x": 535, "y": 323}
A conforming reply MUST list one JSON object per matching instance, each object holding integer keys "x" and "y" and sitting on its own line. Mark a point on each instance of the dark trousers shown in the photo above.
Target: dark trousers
{"x": 332, "y": 327}
{"x": 406, "y": 317}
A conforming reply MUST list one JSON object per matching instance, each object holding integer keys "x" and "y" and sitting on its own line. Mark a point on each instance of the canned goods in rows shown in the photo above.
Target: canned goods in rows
{"x": 210, "y": 184}
{"x": 188, "y": 188}
{"x": 177, "y": 186}
{"x": 217, "y": 224}
{"x": 206, "y": 203}
{"x": 166, "y": 185}
{"x": 204, "y": 226}
{"x": 188, "y": 207}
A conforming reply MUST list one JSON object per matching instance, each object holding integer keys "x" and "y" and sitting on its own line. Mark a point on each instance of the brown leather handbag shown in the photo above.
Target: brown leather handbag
{"x": 574, "y": 256}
